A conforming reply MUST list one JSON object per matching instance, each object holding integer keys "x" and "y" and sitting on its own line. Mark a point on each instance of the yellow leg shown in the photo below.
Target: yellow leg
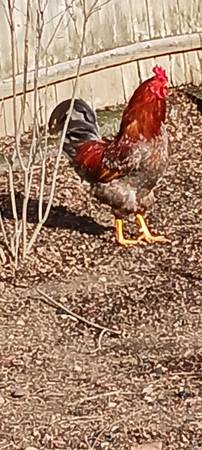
{"x": 146, "y": 235}
{"x": 119, "y": 234}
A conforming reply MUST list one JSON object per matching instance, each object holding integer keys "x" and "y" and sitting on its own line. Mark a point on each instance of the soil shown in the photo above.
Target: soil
{"x": 68, "y": 384}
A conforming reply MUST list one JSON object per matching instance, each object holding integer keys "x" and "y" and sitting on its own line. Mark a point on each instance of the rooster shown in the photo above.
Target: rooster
{"x": 123, "y": 172}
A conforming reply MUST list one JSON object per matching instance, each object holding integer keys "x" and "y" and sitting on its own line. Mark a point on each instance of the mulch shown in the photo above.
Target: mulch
{"x": 66, "y": 384}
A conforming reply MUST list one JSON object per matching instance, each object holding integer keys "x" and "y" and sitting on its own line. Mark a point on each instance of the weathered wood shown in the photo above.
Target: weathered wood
{"x": 123, "y": 26}
{"x": 116, "y": 23}
{"x": 195, "y": 64}
{"x": 114, "y": 57}
{"x": 2, "y": 120}
{"x": 130, "y": 78}
{"x": 107, "y": 88}
{"x": 110, "y": 25}
{"x": 190, "y": 15}
{"x": 63, "y": 90}
{"x": 114, "y": 85}
{"x": 139, "y": 15}
{"x": 177, "y": 69}
{"x": 145, "y": 68}
{"x": 172, "y": 17}
{"x": 156, "y": 18}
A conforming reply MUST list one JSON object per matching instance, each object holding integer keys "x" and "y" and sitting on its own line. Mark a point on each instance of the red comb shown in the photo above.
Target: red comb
{"x": 160, "y": 73}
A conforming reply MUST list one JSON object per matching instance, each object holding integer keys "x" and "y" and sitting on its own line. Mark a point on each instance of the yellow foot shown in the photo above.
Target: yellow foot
{"x": 119, "y": 235}
{"x": 146, "y": 235}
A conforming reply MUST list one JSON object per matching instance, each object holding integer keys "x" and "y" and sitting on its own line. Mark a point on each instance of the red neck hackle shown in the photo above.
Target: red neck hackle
{"x": 146, "y": 109}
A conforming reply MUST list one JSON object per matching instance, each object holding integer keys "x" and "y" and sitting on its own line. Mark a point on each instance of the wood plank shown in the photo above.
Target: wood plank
{"x": 195, "y": 61}
{"x": 188, "y": 71}
{"x": 101, "y": 29}
{"x": 107, "y": 88}
{"x": 171, "y": 17}
{"x": 114, "y": 57}
{"x": 156, "y": 18}
{"x": 5, "y": 47}
{"x": 8, "y": 123}
{"x": 178, "y": 71}
{"x": 85, "y": 89}
{"x": 111, "y": 86}
{"x": 64, "y": 90}
{"x": 45, "y": 98}
{"x": 28, "y": 119}
{"x": 116, "y": 23}
{"x": 95, "y": 30}
{"x": 130, "y": 77}
{"x": 123, "y": 24}
{"x": 140, "y": 23}
{"x": 190, "y": 15}
{"x": 2, "y": 119}
{"x": 69, "y": 33}
{"x": 145, "y": 68}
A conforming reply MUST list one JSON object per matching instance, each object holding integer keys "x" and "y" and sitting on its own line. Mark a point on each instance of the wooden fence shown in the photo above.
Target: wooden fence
{"x": 125, "y": 38}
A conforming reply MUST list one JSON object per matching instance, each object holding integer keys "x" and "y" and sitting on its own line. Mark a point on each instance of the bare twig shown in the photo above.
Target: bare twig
{"x": 25, "y": 70}
{"x": 101, "y": 395}
{"x": 2, "y": 255}
{"x": 13, "y": 203}
{"x": 107, "y": 427}
{"x": 48, "y": 207}
{"x": 4, "y": 233}
{"x": 99, "y": 7}
{"x": 77, "y": 316}
{"x": 99, "y": 346}
{"x": 43, "y": 168}
{"x": 13, "y": 59}
{"x": 20, "y": 235}
{"x": 67, "y": 8}
{"x": 28, "y": 171}
{"x": 87, "y": 418}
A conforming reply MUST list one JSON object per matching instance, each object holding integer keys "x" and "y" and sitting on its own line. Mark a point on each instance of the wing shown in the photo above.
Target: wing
{"x": 103, "y": 161}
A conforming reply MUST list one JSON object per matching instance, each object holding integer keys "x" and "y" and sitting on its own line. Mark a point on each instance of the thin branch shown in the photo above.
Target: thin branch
{"x": 25, "y": 70}
{"x": 2, "y": 256}
{"x": 101, "y": 395}
{"x": 92, "y": 9}
{"x": 99, "y": 7}
{"x": 12, "y": 196}
{"x": 76, "y": 316}
{"x": 28, "y": 173}
{"x": 17, "y": 243}
{"x": 48, "y": 207}
{"x": 55, "y": 29}
{"x": 43, "y": 169}
{"x": 4, "y": 233}
{"x": 13, "y": 60}
{"x": 72, "y": 16}
{"x": 77, "y": 419}
{"x": 28, "y": 165}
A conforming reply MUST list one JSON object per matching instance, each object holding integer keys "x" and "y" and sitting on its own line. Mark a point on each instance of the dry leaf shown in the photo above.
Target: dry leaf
{"x": 148, "y": 446}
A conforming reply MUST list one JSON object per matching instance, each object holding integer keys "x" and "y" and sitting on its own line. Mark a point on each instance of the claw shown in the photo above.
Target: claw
{"x": 119, "y": 235}
{"x": 146, "y": 235}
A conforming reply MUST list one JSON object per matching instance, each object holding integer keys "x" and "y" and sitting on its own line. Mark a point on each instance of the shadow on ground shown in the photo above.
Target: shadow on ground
{"x": 59, "y": 217}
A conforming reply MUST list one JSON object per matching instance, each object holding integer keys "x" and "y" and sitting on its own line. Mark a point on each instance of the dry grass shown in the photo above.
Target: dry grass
{"x": 65, "y": 386}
